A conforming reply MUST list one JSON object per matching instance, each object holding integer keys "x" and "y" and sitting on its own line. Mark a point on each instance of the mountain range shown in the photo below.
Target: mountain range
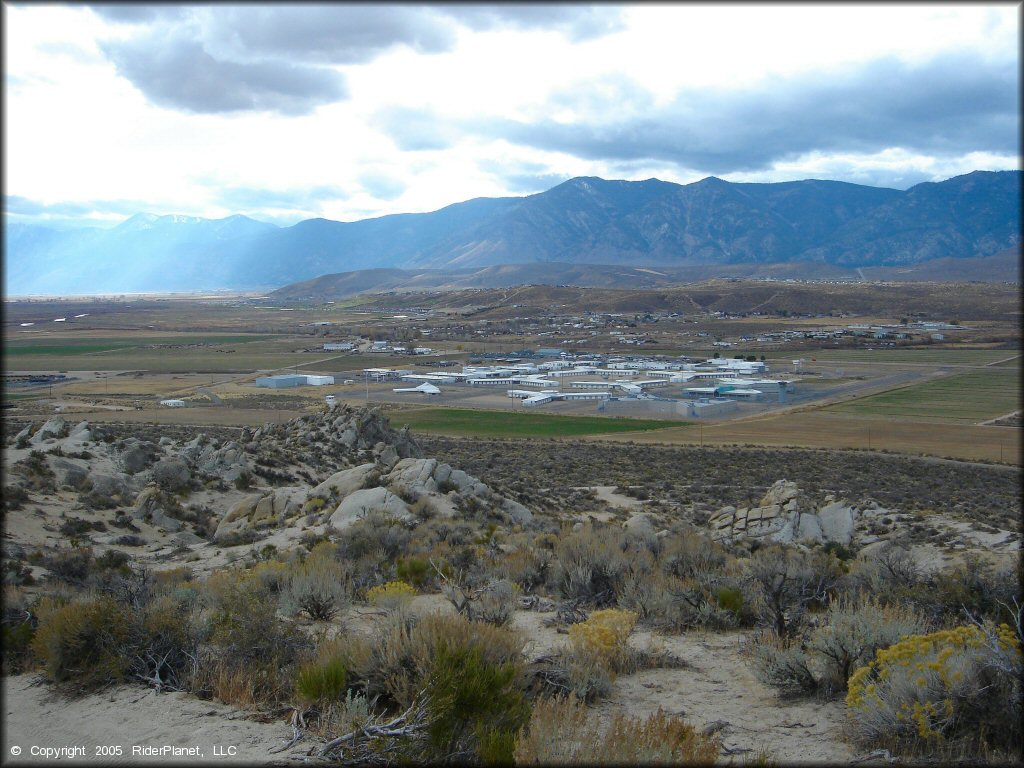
{"x": 710, "y": 227}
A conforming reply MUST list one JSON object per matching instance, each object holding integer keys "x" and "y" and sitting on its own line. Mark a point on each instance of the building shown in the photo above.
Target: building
{"x": 338, "y": 346}
{"x": 173, "y": 403}
{"x": 282, "y": 381}
{"x": 319, "y": 381}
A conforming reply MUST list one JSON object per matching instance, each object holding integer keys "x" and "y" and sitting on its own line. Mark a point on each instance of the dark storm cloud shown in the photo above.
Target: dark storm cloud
{"x": 952, "y": 105}
{"x": 228, "y": 58}
{"x": 338, "y": 34}
{"x": 180, "y": 74}
{"x": 132, "y": 13}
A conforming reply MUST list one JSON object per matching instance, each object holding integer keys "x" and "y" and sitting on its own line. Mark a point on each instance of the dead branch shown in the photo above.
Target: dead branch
{"x": 409, "y": 723}
{"x": 297, "y": 734}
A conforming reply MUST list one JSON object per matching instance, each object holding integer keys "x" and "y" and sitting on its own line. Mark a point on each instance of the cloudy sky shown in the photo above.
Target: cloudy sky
{"x": 286, "y": 112}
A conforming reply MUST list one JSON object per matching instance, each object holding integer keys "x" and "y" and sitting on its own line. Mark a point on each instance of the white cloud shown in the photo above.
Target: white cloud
{"x": 78, "y": 130}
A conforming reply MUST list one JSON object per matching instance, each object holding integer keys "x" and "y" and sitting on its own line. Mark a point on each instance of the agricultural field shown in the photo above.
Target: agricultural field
{"x": 965, "y": 398}
{"x": 921, "y": 355}
{"x": 200, "y": 353}
{"x": 472, "y": 423}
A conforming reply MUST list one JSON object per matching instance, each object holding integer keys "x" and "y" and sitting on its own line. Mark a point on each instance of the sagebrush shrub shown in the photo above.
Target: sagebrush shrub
{"x": 320, "y": 586}
{"x": 822, "y": 659}
{"x": 851, "y": 634}
{"x": 405, "y": 648}
{"x": 961, "y": 684}
{"x": 560, "y": 732}
{"x": 249, "y": 652}
{"x": 87, "y": 641}
{"x": 590, "y": 565}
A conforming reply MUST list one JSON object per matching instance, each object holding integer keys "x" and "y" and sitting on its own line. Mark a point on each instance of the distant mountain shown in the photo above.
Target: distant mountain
{"x": 838, "y": 226}
{"x": 1001, "y": 267}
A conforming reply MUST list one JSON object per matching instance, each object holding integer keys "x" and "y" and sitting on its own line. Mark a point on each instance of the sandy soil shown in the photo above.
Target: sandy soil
{"x": 715, "y": 685}
{"x": 134, "y": 716}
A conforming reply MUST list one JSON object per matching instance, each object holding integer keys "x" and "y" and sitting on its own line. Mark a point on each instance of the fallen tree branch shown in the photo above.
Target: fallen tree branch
{"x": 409, "y": 723}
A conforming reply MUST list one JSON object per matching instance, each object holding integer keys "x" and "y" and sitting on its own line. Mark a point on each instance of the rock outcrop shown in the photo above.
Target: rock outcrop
{"x": 784, "y": 516}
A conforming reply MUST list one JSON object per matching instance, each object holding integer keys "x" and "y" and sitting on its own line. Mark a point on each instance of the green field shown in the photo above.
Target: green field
{"x": 923, "y": 355}
{"x": 470, "y": 423}
{"x": 966, "y": 398}
{"x": 91, "y": 346}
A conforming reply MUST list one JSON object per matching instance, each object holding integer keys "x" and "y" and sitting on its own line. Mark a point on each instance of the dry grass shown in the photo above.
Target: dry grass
{"x": 822, "y": 429}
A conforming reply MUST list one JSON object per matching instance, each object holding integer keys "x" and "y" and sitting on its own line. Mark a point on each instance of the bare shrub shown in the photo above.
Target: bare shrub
{"x": 786, "y": 582}
{"x": 493, "y": 602}
{"x": 71, "y": 565}
{"x": 848, "y": 637}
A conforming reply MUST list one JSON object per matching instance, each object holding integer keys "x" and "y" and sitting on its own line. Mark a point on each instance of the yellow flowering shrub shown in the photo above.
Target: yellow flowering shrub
{"x": 604, "y": 637}
{"x": 961, "y": 683}
{"x": 391, "y": 596}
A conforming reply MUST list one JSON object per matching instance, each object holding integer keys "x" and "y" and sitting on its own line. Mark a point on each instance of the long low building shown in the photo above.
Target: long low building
{"x": 285, "y": 380}
{"x": 546, "y": 396}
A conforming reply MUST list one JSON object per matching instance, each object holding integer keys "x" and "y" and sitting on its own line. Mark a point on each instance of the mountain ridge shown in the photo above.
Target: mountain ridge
{"x": 584, "y": 220}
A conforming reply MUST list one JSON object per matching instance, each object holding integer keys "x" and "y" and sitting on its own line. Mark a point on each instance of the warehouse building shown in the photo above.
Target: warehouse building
{"x": 285, "y": 380}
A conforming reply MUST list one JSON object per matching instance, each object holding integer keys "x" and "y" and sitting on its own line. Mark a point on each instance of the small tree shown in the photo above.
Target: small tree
{"x": 787, "y": 581}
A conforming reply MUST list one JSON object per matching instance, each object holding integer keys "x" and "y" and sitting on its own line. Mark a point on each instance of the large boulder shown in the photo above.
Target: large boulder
{"x": 341, "y": 484}
{"x": 640, "y": 525}
{"x": 808, "y": 529}
{"x": 238, "y": 518}
{"x": 172, "y": 474}
{"x": 161, "y": 519}
{"x": 72, "y": 473}
{"x": 520, "y": 515}
{"x": 838, "y": 521}
{"x": 413, "y": 476}
{"x": 55, "y": 427}
{"x": 357, "y": 505}
{"x": 781, "y": 492}
{"x": 138, "y": 455}
{"x": 112, "y": 486}
{"x": 23, "y": 436}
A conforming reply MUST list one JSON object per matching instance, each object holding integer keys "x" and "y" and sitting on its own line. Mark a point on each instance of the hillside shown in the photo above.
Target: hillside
{"x": 823, "y": 226}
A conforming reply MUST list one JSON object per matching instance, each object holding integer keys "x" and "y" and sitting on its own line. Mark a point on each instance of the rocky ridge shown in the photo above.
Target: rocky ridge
{"x": 369, "y": 466}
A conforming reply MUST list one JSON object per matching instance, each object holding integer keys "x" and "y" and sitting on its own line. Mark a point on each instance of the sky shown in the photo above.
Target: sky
{"x": 346, "y": 111}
